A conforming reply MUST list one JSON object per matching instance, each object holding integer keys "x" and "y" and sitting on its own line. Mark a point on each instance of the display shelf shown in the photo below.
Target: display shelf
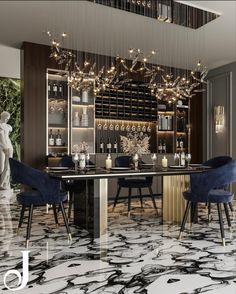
{"x": 175, "y": 118}
{"x": 83, "y": 118}
{"x": 57, "y": 119}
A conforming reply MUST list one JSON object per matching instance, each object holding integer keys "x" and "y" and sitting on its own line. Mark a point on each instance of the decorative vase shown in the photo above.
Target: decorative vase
{"x": 76, "y": 119}
{"x": 84, "y": 96}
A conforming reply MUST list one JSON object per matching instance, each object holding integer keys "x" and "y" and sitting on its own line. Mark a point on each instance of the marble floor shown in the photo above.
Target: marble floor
{"x": 137, "y": 255}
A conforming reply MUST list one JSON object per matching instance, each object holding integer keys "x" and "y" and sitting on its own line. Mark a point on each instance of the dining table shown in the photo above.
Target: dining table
{"x": 91, "y": 195}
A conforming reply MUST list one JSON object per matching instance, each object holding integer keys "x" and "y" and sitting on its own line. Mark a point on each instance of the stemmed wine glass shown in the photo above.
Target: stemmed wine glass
{"x": 154, "y": 158}
{"x": 188, "y": 158}
{"x": 177, "y": 159}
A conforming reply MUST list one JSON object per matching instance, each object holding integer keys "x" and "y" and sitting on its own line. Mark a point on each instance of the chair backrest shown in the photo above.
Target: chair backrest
{"x": 23, "y": 174}
{"x": 218, "y": 161}
{"x": 202, "y": 183}
{"x": 123, "y": 161}
{"x": 66, "y": 161}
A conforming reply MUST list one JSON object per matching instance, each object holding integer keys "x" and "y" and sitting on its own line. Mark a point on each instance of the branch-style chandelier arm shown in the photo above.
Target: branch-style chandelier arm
{"x": 169, "y": 89}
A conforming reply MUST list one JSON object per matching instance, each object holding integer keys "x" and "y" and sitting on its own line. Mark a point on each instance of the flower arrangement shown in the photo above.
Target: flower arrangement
{"x": 80, "y": 148}
{"x": 135, "y": 143}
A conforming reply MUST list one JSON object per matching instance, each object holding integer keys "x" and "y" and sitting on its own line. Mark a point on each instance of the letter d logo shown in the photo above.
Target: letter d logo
{"x": 21, "y": 281}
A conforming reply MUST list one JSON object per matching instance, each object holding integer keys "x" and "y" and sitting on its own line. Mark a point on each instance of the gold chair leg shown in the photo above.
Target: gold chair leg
{"x": 223, "y": 241}
{"x": 27, "y": 244}
{"x": 180, "y": 235}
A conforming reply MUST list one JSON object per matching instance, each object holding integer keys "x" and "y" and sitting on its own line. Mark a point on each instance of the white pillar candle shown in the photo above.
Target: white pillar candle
{"x": 108, "y": 162}
{"x": 164, "y": 162}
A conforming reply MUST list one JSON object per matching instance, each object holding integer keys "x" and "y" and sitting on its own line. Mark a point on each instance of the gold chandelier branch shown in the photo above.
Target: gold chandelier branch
{"x": 169, "y": 88}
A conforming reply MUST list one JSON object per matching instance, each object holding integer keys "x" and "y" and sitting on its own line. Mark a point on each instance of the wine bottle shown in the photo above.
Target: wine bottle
{"x": 60, "y": 90}
{"x": 164, "y": 147}
{"x": 49, "y": 89}
{"x": 160, "y": 147}
{"x": 177, "y": 142}
{"x": 181, "y": 142}
{"x": 58, "y": 138}
{"x": 109, "y": 145}
{"x": 182, "y": 158}
{"x": 115, "y": 146}
{"x": 51, "y": 140}
{"x": 101, "y": 146}
{"x": 54, "y": 90}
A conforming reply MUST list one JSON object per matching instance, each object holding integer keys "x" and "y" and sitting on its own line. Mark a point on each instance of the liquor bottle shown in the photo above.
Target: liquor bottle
{"x": 54, "y": 90}
{"x": 101, "y": 146}
{"x": 160, "y": 147}
{"x": 164, "y": 146}
{"x": 49, "y": 89}
{"x": 58, "y": 138}
{"x": 181, "y": 142}
{"x": 60, "y": 90}
{"x": 115, "y": 146}
{"x": 182, "y": 158}
{"x": 51, "y": 140}
{"x": 109, "y": 145}
{"x": 177, "y": 142}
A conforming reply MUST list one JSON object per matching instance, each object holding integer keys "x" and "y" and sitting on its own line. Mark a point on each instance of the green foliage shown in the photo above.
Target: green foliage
{"x": 10, "y": 101}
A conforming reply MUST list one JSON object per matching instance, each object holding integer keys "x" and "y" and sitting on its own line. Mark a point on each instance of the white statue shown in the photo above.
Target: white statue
{"x": 6, "y": 150}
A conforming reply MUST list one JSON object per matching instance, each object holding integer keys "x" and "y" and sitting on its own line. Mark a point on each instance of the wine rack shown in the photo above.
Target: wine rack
{"x": 109, "y": 131}
{"x": 132, "y": 102}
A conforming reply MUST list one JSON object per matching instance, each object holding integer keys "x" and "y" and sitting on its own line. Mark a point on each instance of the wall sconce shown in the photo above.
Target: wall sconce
{"x": 219, "y": 119}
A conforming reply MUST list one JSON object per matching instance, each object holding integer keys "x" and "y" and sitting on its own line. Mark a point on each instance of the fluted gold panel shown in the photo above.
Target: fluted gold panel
{"x": 173, "y": 201}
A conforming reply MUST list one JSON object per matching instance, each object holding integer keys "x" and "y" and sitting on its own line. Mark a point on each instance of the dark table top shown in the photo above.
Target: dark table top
{"x": 99, "y": 173}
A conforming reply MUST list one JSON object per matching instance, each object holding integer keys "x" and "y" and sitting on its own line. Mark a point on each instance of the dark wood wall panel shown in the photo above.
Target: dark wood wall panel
{"x": 196, "y": 128}
{"x": 35, "y": 61}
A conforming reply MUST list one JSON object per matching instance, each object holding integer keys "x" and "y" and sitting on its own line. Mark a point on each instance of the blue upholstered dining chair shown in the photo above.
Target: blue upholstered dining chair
{"x": 204, "y": 187}
{"x": 218, "y": 161}
{"x": 44, "y": 190}
{"x": 124, "y": 161}
{"x": 214, "y": 163}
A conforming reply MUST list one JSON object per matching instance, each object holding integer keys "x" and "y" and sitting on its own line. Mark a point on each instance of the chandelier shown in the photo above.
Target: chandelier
{"x": 170, "y": 88}
{"x": 80, "y": 78}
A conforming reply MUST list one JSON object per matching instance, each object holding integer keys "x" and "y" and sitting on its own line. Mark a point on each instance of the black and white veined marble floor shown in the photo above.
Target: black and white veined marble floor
{"x": 138, "y": 255}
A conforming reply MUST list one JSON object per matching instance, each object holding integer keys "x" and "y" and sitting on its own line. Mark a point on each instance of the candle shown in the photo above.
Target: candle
{"x": 164, "y": 162}
{"x": 108, "y": 162}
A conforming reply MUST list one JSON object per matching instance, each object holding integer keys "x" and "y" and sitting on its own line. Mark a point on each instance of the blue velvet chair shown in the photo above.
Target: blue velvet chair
{"x": 70, "y": 185}
{"x": 205, "y": 188}
{"x": 124, "y": 161}
{"x": 216, "y": 162}
{"x": 44, "y": 190}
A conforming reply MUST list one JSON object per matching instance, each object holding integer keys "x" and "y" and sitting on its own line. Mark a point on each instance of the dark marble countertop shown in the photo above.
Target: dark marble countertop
{"x": 99, "y": 173}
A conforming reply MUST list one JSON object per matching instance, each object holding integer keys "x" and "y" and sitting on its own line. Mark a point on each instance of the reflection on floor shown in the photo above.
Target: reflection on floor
{"x": 138, "y": 255}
